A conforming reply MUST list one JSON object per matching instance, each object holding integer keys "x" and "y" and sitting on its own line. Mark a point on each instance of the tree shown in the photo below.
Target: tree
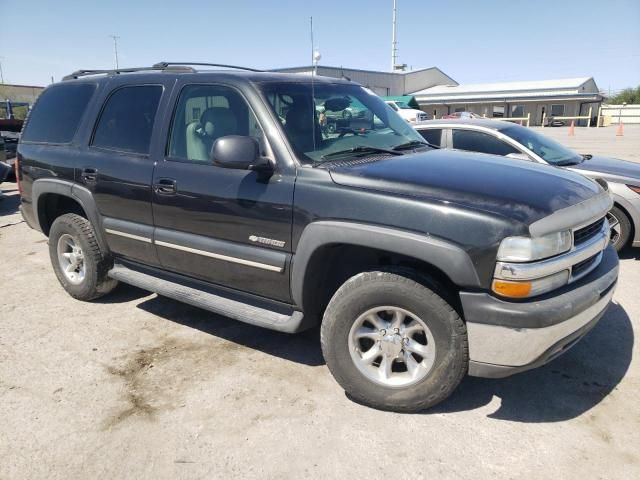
{"x": 628, "y": 95}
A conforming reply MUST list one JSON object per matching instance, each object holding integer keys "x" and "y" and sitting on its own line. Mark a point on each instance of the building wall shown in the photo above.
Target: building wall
{"x": 19, "y": 93}
{"x": 535, "y": 109}
{"x": 383, "y": 83}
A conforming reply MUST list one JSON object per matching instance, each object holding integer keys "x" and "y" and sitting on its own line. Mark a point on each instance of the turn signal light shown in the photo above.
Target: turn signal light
{"x": 512, "y": 289}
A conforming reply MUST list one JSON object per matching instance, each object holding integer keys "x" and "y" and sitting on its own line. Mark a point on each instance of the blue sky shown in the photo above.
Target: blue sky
{"x": 472, "y": 41}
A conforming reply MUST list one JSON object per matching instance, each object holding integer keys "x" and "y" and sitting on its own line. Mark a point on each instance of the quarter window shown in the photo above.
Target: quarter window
{"x": 57, "y": 113}
{"x": 206, "y": 113}
{"x": 480, "y": 142}
{"x": 432, "y": 135}
{"x": 126, "y": 121}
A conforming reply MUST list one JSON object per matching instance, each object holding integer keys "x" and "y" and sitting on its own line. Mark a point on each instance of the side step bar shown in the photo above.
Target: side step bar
{"x": 209, "y": 301}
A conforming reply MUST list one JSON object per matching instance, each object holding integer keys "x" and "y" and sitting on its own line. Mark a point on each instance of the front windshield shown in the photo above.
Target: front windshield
{"x": 403, "y": 106}
{"x": 547, "y": 149}
{"x": 324, "y": 120}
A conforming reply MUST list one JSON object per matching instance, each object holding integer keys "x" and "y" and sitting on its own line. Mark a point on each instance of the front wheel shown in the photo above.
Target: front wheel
{"x": 620, "y": 227}
{"x": 393, "y": 343}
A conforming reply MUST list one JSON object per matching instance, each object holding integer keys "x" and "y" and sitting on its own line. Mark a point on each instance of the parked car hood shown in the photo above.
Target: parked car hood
{"x": 612, "y": 169}
{"x": 522, "y": 191}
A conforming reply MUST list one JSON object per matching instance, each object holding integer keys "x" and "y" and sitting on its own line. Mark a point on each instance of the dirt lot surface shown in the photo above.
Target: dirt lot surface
{"x": 140, "y": 386}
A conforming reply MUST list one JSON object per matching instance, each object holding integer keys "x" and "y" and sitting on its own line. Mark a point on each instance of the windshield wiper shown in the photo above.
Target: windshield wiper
{"x": 414, "y": 143}
{"x": 360, "y": 149}
{"x": 564, "y": 163}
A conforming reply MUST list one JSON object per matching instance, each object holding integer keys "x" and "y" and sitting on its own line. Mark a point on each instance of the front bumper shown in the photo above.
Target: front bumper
{"x": 508, "y": 337}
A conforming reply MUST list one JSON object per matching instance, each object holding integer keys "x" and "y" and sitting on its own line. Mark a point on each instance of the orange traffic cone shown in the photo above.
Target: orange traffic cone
{"x": 572, "y": 129}
{"x": 620, "y": 130}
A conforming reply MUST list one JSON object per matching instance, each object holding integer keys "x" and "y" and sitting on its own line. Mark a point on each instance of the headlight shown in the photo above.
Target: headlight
{"x": 527, "y": 249}
{"x": 530, "y": 288}
{"x": 634, "y": 188}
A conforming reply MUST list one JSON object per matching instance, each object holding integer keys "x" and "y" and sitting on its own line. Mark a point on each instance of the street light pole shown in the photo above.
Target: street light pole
{"x": 115, "y": 48}
{"x": 1, "y": 74}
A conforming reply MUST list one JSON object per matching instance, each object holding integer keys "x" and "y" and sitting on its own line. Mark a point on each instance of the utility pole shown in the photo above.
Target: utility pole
{"x": 115, "y": 48}
{"x": 1, "y": 74}
{"x": 394, "y": 43}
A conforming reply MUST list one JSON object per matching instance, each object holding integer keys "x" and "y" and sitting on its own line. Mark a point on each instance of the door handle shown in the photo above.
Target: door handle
{"x": 89, "y": 175}
{"x": 165, "y": 186}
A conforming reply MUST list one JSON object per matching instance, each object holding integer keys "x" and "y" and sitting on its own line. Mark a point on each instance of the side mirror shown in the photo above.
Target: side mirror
{"x": 239, "y": 152}
{"x": 519, "y": 156}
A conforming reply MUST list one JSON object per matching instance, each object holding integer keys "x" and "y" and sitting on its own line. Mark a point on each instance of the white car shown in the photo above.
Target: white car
{"x": 411, "y": 115}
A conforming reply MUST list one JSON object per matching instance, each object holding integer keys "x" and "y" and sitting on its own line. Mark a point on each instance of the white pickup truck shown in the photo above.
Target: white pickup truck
{"x": 411, "y": 115}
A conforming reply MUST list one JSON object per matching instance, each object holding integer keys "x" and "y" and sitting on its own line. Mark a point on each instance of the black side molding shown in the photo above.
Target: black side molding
{"x": 217, "y": 303}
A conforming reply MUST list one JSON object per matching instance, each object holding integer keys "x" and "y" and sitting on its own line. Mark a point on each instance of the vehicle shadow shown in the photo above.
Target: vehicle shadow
{"x": 303, "y": 348}
{"x": 563, "y": 389}
{"x": 629, "y": 253}
{"x": 9, "y": 201}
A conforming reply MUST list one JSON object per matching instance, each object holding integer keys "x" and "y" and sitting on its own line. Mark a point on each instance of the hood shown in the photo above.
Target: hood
{"x": 612, "y": 169}
{"x": 522, "y": 191}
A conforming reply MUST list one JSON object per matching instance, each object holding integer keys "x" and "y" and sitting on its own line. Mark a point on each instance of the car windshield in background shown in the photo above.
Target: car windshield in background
{"x": 547, "y": 149}
{"x": 403, "y": 106}
{"x": 324, "y": 121}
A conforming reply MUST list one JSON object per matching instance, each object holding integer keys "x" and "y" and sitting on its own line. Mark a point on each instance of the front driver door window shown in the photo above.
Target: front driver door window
{"x": 475, "y": 141}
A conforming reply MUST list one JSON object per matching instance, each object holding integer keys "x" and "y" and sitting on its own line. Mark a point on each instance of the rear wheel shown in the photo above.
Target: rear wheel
{"x": 393, "y": 343}
{"x": 78, "y": 262}
{"x": 620, "y": 227}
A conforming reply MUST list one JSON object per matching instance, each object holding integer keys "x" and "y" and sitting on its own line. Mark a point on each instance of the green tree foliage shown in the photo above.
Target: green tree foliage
{"x": 628, "y": 95}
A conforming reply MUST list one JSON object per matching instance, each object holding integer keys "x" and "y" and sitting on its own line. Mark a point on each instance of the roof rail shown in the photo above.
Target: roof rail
{"x": 84, "y": 73}
{"x": 161, "y": 65}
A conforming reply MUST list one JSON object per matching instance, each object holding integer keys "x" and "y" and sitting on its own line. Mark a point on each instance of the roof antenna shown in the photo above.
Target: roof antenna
{"x": 313, "y": 94}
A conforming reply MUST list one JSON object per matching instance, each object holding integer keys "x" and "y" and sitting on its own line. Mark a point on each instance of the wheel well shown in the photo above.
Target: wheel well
{"x": 52, "y": 205}
{"x": 330, "y": 266}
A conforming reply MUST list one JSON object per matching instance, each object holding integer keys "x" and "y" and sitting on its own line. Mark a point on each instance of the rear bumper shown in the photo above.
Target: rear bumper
{"x": 510, "y": 337}
{"x": 27, "y": 214}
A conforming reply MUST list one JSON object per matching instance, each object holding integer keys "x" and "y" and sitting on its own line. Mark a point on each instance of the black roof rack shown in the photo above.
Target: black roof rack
{"x": 161, "y": 66}
{"x": 169, "y": 64}
{"x": 84, "y": 73}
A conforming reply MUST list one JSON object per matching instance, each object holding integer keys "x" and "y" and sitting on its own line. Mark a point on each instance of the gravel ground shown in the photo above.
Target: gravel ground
{"x": 140, "y": 386}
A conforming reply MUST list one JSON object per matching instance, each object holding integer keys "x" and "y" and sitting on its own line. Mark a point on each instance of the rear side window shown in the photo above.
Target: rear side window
{"x": 480, "y": 142}
{"x": 432, "y": 135}
{"x": 126, "y": 121}
{"x": 57, "y": 113}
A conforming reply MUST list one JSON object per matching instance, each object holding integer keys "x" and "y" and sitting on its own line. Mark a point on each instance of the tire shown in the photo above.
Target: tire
{"x": 90, "y": 280}
{"x": 370, "y": 291}
{"x": 620, "y": 227}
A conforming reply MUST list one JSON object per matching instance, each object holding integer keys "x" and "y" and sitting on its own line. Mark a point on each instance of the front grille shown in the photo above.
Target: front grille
{"x": 583, "y": 266}
{"x": 585, "y": 233}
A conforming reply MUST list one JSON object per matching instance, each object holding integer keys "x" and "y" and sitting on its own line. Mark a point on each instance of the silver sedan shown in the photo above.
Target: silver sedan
{"x": 512, "y": 140}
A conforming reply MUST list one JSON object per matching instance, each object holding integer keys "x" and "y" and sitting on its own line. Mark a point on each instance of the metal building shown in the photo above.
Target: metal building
{"x": 536, "y": 99}
{"x": 382, "y": 83}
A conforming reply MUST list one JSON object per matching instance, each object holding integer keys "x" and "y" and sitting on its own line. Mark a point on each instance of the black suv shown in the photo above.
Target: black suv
{"x": 221, "y": 189}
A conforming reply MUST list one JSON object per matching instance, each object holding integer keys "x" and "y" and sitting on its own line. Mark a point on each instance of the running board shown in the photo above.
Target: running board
{"x": 227, "y": 307}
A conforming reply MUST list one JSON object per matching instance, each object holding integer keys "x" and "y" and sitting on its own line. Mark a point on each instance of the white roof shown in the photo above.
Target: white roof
{"x": 536, "y": 88}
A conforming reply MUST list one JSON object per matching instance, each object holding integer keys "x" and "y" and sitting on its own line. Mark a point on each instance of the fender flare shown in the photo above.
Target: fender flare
{"x": 76, "y": 192}
{"x": 449, "y": 258}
